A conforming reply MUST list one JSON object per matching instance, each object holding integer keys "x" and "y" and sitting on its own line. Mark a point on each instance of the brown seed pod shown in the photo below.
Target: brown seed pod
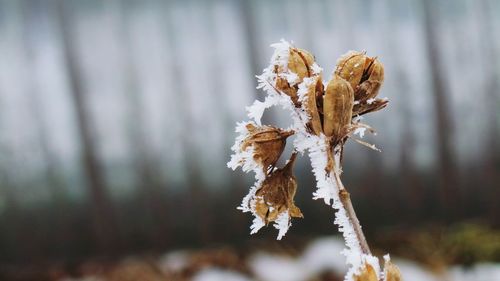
{"x": 315, "y": 89}
{"x": 391, "y": 272}
{"x": 367, "y": 274}
{"x": 351, "y": 67}
{"x": 299, "y": 62}
{"x": 371, "y": 81}
{"x": 268, "y": 143}
{"x": 366, "y": 75}
{"x": 276, "y": 194}
{"x": 337, "y": 108}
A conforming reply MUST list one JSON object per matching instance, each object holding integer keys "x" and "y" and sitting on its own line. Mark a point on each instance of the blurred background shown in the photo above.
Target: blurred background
{"x": 117, "y": 117}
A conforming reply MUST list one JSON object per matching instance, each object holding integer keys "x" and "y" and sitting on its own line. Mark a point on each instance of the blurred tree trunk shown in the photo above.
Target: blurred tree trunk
{"x": 410, "y": 180}
{"x": 36, "y": 14}
{"x": 150, "y": 184}
{"x": 411, "y": 188}
{"x": 489, "y": 49}
{"x": 104, "y": 223}
{"x": 234, "y": 181}
{"x": 449, "y": 192}
{"x": 247, "y": 15}
{"x": 194, "y": 203}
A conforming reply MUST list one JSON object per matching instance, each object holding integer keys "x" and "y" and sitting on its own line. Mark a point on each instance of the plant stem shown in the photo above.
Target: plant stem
{"x": 345, "y": 199}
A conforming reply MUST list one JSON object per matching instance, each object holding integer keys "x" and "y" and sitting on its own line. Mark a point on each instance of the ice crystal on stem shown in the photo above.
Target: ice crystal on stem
{"x": 323, "y": 117}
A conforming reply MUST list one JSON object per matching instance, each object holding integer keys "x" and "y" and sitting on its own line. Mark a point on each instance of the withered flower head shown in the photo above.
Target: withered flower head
{"x": 337, "y": 108}
{"x": 300, "y": 64}
{"x": 366, "y": 75}
{"x": 276, "y": 194}
{"x": 268, "y": 143}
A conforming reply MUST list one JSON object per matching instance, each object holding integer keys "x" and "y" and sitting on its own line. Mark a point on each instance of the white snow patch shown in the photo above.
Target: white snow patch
{"x": 268, "y": 267}
{"x": 479, "y": 272}
{"x": 174, "y": 261}
{"x": 324, "y": 254}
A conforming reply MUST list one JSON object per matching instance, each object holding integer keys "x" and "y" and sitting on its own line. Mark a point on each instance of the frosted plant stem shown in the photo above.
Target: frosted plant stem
{"x": 346, "y": 202}
{"x": 345, "y": 199}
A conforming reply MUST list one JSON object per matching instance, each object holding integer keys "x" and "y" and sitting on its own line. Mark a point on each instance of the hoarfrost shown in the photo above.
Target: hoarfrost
{"x": 316, "y": 69}
{"x": 282, "y": 224}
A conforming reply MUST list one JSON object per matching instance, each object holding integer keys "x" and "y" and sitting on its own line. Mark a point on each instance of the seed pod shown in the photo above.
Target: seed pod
{"x": 276, "y": 194}
{"x": 373, "y": 77}
{"x": 315, "y": 89}
{"x": 391, "y": 272}
{"x": 367, "y": 274}
{"x": 268, "y": 143}
{"x": 300, "y": 62}
{"x": 337, "y": 108}
{"x": 365, "y": 75}
{"x": 351, "y": 67}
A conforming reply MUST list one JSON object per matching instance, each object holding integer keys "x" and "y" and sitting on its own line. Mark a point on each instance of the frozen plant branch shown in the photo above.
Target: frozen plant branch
{"x": 324, "y": 115}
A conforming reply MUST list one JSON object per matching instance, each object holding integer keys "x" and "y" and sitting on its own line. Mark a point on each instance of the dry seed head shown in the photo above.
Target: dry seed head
{"x": 367, "y": 274}
{"x": 365, "y": 74}
{"x": 268, "y": 143}
{"x": 372, "y": 80}
{"x": 276, "y": 194}
{"x": 351, "y": 67}
{"x": 314, "y": 90}
{"x": 300, "y": 62}
{"x": 391, "y": 272}
{"x": 337, "y": 108}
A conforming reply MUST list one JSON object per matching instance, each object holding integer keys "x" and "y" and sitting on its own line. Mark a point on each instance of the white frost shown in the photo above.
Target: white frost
{"x": 282, "y": 224}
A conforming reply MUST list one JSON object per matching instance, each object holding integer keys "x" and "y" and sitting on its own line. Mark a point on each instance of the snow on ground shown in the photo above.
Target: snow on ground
{"x": 479, "y": 272}
{"x": 174, "y": 261}
{"x": 272, "y": 267}
{"x": 324, "y": 255}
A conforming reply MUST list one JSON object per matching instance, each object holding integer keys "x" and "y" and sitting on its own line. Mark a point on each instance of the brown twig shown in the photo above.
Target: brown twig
{"x": 345, "y": 199}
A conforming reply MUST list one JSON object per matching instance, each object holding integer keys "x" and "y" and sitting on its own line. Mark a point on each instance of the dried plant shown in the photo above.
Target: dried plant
{"x": 324, "y": 116}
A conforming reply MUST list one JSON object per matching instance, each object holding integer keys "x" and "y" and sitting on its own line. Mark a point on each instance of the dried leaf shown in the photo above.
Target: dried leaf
{"x": 337, "y": 108}
{"x": 363, "y": 108}
{"x": 291, "y": 91}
